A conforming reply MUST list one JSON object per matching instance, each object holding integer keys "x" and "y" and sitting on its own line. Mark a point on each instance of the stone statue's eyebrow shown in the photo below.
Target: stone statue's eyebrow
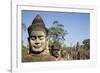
{"x": 41, "y": 36}
{"x": 37, "y": 36}
{"x": 32, "y": 36}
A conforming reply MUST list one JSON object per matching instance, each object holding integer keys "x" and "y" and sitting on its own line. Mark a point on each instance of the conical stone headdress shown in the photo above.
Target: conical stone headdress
{"x": 37, "y": 25}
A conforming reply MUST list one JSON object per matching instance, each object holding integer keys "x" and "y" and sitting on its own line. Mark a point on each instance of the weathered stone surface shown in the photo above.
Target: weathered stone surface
{"x": 37, "y": 40}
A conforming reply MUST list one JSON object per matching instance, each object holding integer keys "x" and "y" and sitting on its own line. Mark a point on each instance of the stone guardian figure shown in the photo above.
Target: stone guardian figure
{"x": 38, "y": 39}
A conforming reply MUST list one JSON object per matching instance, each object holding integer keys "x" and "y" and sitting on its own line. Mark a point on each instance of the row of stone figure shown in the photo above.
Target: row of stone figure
{"x": 38, "y": 44}
{"x": 38, "y": 39}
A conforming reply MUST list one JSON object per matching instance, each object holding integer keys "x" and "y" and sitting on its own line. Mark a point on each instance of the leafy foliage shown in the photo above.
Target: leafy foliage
{"x": 86, "y": 43}
{"x": 23, "y": 26}
{"x": 57, "y": 32}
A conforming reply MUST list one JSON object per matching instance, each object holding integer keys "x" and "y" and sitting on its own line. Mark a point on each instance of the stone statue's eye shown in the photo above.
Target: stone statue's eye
{"x": 41, "y": 37}
{"x": 33, "y": 37}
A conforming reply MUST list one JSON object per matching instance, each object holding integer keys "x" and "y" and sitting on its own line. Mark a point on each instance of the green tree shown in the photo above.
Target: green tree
{"x": 50, "y": 43}
{"x": 57, "y": 32}
{"x": 86, "y": 43}
{"x": 77, "y": 46}
{"x": 23, "y": 26}
{"x": 24, "y": 30}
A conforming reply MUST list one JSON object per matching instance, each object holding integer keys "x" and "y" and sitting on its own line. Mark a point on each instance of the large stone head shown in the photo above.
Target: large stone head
{"x": 37, "y": 35}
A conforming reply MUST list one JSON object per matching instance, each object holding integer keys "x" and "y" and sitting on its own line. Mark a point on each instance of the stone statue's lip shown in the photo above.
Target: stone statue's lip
{"x": 36, "y": 46}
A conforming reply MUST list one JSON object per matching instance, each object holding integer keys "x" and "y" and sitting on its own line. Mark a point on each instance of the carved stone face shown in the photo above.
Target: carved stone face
{"x": 56, "y": 53}
{"x": 37, "y": 41}
{"x": 63, "y": 53}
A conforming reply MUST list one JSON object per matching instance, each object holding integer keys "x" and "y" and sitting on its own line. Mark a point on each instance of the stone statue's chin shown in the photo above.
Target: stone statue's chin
{"x": 37, "y": 49}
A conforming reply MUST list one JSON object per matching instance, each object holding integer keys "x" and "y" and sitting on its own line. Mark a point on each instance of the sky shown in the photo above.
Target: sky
{"x": 75, "y": 23}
